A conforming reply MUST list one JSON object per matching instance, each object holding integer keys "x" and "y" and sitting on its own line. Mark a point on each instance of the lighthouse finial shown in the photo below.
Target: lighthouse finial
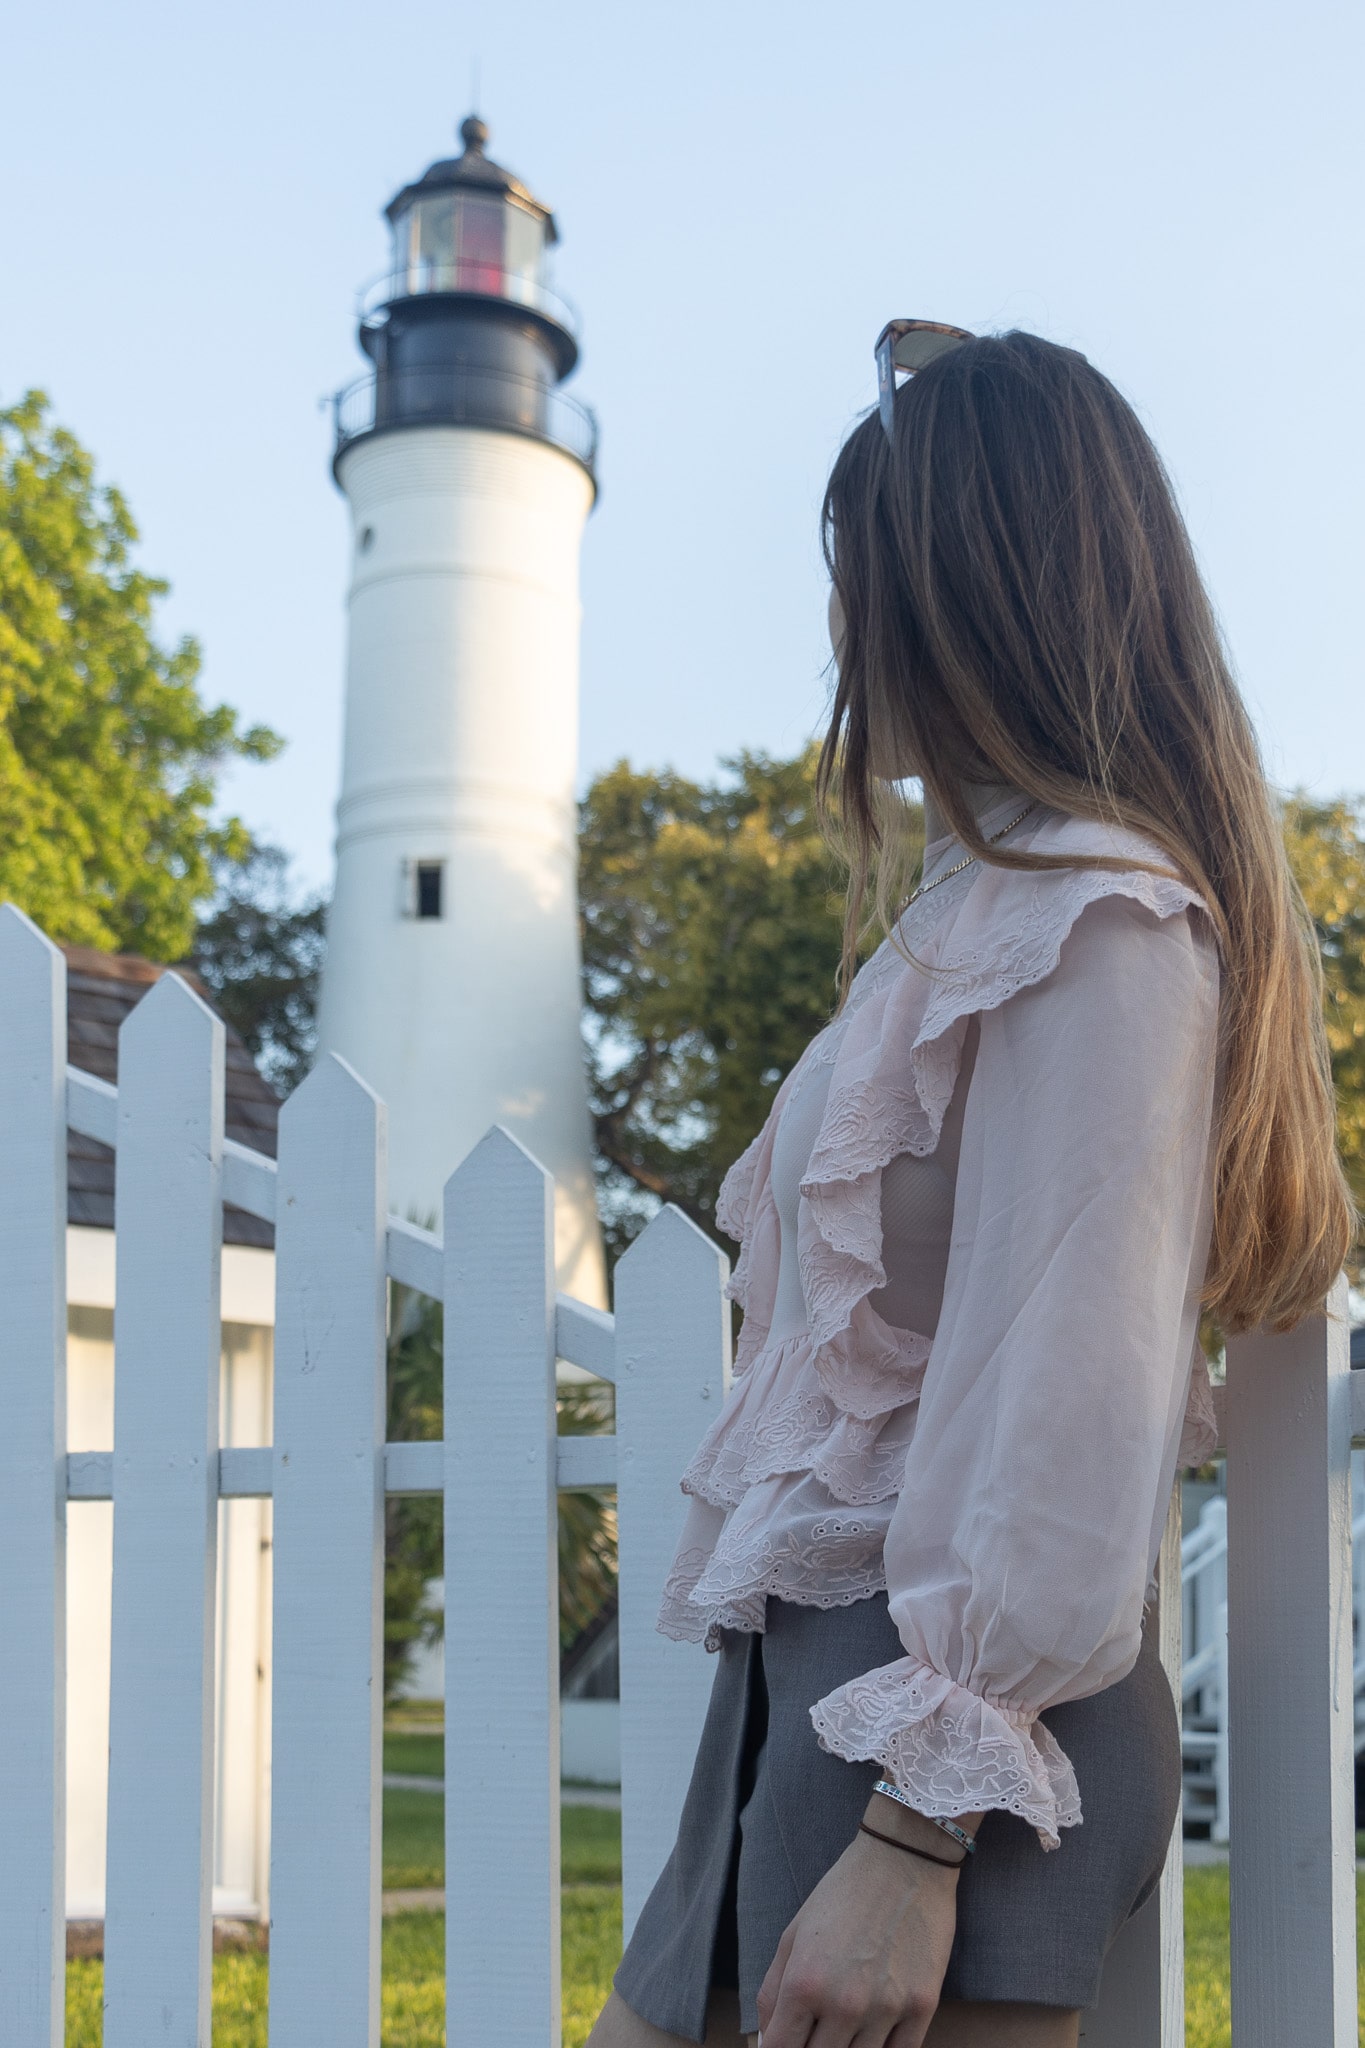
{"x": 473, "y": 134}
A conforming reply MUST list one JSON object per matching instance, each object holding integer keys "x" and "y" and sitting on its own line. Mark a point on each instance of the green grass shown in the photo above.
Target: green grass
{"x": 413, "y": 1982}
{"x": 1208, "y": 2019}
{"x": 414, "y": 1840}
{"x": 414, "y": 1753}
{"x": 413, "y": 1993}
{"x": 590, "y": 1845}
{"x": 415, "y": 1853}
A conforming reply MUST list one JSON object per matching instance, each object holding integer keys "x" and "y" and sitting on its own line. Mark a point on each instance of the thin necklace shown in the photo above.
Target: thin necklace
{"x": 948, "y": 873}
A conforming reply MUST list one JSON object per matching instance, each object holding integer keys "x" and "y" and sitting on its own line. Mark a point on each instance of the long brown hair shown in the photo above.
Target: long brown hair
{"x": 1021, "y": 604}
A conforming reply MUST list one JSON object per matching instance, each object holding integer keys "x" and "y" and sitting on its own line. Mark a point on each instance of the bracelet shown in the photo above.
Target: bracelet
{"x": 943, "y": 1862}
{"x": 949, "y": 1827}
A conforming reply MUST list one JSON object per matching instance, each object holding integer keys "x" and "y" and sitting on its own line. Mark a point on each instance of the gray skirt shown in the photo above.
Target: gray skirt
{"x": 768, "y": 1812}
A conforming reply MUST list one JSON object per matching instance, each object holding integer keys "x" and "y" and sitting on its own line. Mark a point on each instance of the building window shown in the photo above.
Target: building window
{"x": 422, "y": 889}
{"x": 429, "y": 874}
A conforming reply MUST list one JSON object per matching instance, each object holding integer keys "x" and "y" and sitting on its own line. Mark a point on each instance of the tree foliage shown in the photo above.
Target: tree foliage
{"x": 108, "y": 755}
{"x": 712, "y": 920}
{"x": 259, "y": 951}
{"x": 1326, "y": 844}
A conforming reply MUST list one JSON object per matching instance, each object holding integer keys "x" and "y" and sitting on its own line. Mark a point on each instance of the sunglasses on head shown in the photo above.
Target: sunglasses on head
{"x": 908, "y": 345}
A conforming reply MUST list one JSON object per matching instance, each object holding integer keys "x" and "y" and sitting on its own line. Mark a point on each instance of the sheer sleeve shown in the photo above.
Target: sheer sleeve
{"x": 1034, "y": 1493}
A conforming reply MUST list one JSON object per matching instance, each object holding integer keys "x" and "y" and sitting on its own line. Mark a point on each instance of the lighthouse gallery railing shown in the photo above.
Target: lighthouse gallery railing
{"x": 473, "y": 394}
{"x": 1288, "y": 1416}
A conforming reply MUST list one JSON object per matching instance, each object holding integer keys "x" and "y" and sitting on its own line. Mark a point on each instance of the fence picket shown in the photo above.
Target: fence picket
{"x": 1168, "y": 1964}
{"x": 502, "y": 1610}
{"x": 1142, "y": 1995}
{"x": 328, "y": 1471}
{"x": 1290, "y": 1789}
{"x": 672, "y": 1369}
{"x": 32, "y": 1485}
{"x": 168, "y": 1207}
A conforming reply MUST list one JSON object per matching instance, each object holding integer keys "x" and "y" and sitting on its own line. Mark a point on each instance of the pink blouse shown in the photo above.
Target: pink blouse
{"x": 973, "y": 1232}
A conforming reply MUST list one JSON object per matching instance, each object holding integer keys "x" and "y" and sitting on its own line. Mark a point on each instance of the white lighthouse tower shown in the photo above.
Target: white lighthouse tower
{"x": 452, "y": 981}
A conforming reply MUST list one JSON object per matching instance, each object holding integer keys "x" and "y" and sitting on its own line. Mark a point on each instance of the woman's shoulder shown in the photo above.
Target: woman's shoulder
{"x": 1011, "y": 928}
{"x": 1066, "y": 834}
{"x": 1110, "y": 861}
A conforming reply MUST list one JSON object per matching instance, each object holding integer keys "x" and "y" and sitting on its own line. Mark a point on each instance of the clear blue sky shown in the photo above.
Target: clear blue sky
{"x": 746, "y": 193}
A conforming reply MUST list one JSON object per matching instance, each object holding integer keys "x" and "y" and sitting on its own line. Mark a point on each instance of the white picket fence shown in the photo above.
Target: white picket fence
{"x": 1204, "y": 1584}
{"x": 1289, "y": 1421}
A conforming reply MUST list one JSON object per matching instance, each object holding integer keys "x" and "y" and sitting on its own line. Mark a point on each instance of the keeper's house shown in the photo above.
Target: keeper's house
{"x": 102, "y": 988}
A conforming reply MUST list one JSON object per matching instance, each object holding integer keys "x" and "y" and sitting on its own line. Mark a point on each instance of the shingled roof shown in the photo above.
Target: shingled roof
{"x": 101, "y": 988}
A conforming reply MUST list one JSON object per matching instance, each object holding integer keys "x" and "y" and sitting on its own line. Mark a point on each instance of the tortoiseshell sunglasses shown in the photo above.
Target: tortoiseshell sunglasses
{"x": 908, "y": 345}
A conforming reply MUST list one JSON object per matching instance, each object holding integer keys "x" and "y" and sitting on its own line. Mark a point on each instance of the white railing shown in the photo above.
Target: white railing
{"x": 328, "y": 1469}
{"x": 1204, "y": 1580}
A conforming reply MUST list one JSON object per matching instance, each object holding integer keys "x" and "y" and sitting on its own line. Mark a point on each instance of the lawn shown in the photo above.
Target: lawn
{"x": 414, "y": 1843}
{"x": 415, "y": 1753}
{"x": 413, "y": 1993}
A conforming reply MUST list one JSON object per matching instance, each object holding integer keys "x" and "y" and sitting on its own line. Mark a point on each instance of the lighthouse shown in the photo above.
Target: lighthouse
{"x": 452, "y": 978}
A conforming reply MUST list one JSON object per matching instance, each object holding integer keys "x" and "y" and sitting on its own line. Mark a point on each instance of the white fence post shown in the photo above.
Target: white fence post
{"x": 672, "y": 1368}
{"x": 167, "y": 1340}
{"x": 1142, "y": 1998}
{"x": 1290, "y": 1707}
{"x": 1169, "y": 1902}
{"x": 328, "y": 1466}
{"x": 502, "y": 1603}
{"x": 32, "y": 1485}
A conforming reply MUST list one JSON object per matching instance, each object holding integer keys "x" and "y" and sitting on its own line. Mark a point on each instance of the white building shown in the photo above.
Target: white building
{"x": 452, "y": 980}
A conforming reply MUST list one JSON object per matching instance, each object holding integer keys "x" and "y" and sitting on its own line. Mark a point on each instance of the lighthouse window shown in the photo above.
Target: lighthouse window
{"x": 525, "y": 249}
{"x": 429, "y": 877}
{"x": 479, "y": 253}
{"x": 428, "y": 231}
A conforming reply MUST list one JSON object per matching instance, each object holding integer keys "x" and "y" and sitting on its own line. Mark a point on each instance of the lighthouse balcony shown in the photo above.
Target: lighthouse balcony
{"x": 481, "y": 278}
{"x": 465, "y": 395}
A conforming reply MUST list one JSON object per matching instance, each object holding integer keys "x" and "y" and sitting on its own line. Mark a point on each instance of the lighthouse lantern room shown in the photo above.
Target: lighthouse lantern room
{"x": 452, "y": 981}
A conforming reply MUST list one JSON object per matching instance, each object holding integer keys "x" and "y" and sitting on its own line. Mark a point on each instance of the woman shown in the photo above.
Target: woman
{"x": 1078, "y": 1097}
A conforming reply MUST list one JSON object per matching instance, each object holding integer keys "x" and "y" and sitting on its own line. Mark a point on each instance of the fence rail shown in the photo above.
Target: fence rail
{"x": 1289, "y": 1413}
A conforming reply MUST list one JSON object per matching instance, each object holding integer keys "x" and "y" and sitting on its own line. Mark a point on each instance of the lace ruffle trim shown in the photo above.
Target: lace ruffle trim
{"x": 950, "y": 1751}
{"x": 872, "y": 1123}
{"x": 736, "y": 1192}
{"x": 894, "y": 1077}
{"x": 709, "y": 1591}
{"x": 858, "y": 1461}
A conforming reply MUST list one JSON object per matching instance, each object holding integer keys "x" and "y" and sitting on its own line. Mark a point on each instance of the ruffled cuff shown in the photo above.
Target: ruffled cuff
{"x": 949, "y": 1750}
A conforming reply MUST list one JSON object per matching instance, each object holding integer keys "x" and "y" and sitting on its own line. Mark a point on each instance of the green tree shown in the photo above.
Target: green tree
{"x": 712, "y": 916}
{"x": 259, "y": 951}
{"x": 1326, "y": 844}
{"x": 108, "y": 755}
{"x": 712, "y": 921}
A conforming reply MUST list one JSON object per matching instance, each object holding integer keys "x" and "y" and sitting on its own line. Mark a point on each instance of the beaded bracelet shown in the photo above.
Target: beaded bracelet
{"x": 949, "y": 1827}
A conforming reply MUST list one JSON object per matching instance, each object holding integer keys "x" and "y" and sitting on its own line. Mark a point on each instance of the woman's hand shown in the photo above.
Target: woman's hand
{"x": 864, "y": 1959}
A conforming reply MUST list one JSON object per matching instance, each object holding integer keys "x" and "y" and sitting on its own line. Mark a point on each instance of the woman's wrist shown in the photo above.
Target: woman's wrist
{"x": 916, "y": 1866}
{"x": 915, "y": 1830}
